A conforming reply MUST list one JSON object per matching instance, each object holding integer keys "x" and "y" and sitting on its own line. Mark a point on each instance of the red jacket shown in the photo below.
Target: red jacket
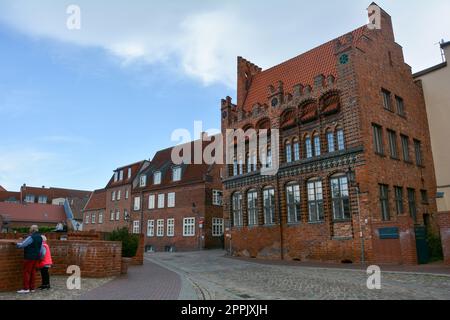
{"x": 47, "y": 259}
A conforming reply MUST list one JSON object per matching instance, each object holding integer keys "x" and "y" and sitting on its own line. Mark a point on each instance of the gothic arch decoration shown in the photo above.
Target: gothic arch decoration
{"x": 330, "y": 103}
{"x": 308, "y": 111}
{"x": 263, "y": 124}
{"x": 288, "y": 119}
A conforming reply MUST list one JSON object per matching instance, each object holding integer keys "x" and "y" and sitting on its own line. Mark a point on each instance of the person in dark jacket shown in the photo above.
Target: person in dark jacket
{"x": 32, "y": 246}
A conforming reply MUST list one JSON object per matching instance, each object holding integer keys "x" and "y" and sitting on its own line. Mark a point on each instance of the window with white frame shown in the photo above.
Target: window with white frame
{"x": 288, "y": 150}
{"x": 125, "y": 215}
{"x": 340, "y": 197}
{"x": 150, "y": 228}
{"x": 176, "y": 174}
{"x": 161, "y": 200}
{"x": 100, "y": 217}
{"x": 189, "y": 227}
{"x": 293, "y": 202}
{"x": 117, "y": 215}
{"x": 170, "y": 227}
{"x": 121, "y": 175}
{"x": 151, "y": 201}
{"x": 88, "y": 217}
{"x": 42, "y": 199}
{"x": 269, "y": 205}
{"x": 237, "y": 210}
{"x": 129, "y": 173}
{"x": 160, "y": 228}
{"x": 317, "y": 150}
{"x": 296, "y": 150}
{"x": 330, "y": 140}
{"x": 217, "y": 197}
{"x": 137, "y": 203}
{"x": 217, "y": 227}
{"x": 157, "y": 178}
{"x": 93, "y": 218}
{"x": 143, "y": 181}
{"x": 308, "y": 147}
{"x": 119, "y": 195}
{"x": 126, "y": 194}
{"x": 136, "y": 227}
{"x": 171, "y": 200}
{"x": 116, "y": 176}
{"x": 315, "y": 201}
{"x": 341, "y": 140}
{"x": 112, "y": 215}
{"x": 113, "y": 196}
{"x": 252, "y": 207}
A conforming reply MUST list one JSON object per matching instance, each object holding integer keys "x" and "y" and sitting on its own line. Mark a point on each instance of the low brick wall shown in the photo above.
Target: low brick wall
{"x": 444, "y": 226}
{"x": 96, "y": 259}
{"x": 138, "y": 260}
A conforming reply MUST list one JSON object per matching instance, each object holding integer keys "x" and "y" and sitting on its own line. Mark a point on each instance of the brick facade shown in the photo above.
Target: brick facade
{"x": 336, "y": 87}
{"x": 444, "y": 227}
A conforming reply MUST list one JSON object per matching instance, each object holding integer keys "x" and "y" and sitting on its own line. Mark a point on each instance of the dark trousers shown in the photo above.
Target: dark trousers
{"x": 45, "y": 277}
{"x": 29, "y": 274}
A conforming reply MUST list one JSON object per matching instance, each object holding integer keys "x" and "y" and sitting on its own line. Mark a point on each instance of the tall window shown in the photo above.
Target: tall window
{"x": 116, "y": 176}
{"x": 384, "y": 201}
{"x": 176, "y": 174}
{"x": 237, "y": 210}
{"x": 112, "y": 215}
{"x": 296, "y": 150}
{"x": 170, "y": 227}
{"x": 151, "y": 201}
{"x": 235, "y": 167}
{"x": 378, "y": 139}
{"x": 315, "y": 201}
{"x": 340, "y": 196}
{"x": 137, "y": 203}
{"x": 412, "y": 203}
{"x": 217, "y": 198}
{"x": 117, "y": 215}
{"x": 157, "y": 177}
{"x": 150, "y": 228}
{"x": 129, "y": 173}
{"x": 87, "y": 219}
{"x": 161, "y": 200}
{"x": 405, "y": 148}
{"x": 121, "y": 175}
{"x": 143, "y": 181}
{"x": 93, "y": 217}
{"x": 113, "y": 196}
{"x": 136, "y": 227}
{"x": 42, "y": 199}
{"x": 251, "y": 162}
{"x": 160, "y": 228}
{"x": 330, "y": 140}
{"x": 293, "y": 202}
{"x": 125, "y": 215}
{"x": 308, "y": 147}
{"x": 424, "y": 196}
{"x": 189, "y": 227}
{"x": 252, "y": 207}
{"x": 418, "y": 152}
{"x": 400, "y": 106}
{"x": 393, "y": 144}
{"x": 126, "y": 194}
{"x": 171, "y": 200}
{"x": 288, "y": 152}
{"x": 399, "y": 200}
{"x": 217, "y": 227}
{"x": 241, "y": 166}
{"x": 269, "y": 158}
{"x": 387, "y": 103}
{"x": 269, "y": 206}
{"x": 341, "y": 139}
{"x": 317, "y": 150}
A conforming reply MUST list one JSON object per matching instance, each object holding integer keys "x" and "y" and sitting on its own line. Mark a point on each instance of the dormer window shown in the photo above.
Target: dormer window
{"x": 116, "y": 176}
{"x": 176, "y": 174}
{"x": 143, "y": 181}
{"x": 129, "y": 173}
{"x": 121, "y": 175}
{"x": 157, "y": 177}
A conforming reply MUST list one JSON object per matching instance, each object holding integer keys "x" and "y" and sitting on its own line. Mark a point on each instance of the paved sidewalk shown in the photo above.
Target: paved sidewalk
{"x": 147, "y": 282}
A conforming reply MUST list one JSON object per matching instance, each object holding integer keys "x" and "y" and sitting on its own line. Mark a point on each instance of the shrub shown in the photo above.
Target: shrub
{"x": 26, "y": 230}
{"x": 435, "y": 247}
{"x": 130, "y": 242}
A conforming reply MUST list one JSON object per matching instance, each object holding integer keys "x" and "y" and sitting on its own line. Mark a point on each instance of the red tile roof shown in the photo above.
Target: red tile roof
{"x": 54, "y": 193}
{"x": 32, "y": 213}
{"x": 97, "y": 201}
{"x": 299, "y": 70}
{"x": 135, "y": 167}
{"x": 2, "y": 189}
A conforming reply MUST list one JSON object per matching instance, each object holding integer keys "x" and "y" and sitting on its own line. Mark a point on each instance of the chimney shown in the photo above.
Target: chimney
{"x": 445, "y": 47}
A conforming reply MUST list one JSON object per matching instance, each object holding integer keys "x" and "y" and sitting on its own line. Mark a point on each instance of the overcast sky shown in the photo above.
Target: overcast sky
{"x": 74, "y": 105}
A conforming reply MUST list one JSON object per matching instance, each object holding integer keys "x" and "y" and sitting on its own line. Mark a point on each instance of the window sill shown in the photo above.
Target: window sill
{"x": 293, "y": 224}
{"x": 342, "y": 221}
{"x": 408, "y": 162}
{"x": 316, "y": 222}
{"x": 380, "y": 154}
{"x": 395, "y": 159}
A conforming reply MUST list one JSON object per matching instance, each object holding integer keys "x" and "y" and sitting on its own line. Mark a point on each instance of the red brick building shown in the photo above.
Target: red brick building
{"x": 94, "y": 212}
{"x": 178, "y": 207}
{"x": 356, "y": 170}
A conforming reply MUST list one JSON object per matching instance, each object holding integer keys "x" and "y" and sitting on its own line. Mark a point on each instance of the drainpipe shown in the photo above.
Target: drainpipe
{"x": 280, "y": 219}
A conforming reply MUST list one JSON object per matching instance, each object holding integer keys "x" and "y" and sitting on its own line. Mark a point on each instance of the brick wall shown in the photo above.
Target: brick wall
{"x": 444, "y": 226}
{"x": 97, "y": 259}
{"x": 138, "y": 260}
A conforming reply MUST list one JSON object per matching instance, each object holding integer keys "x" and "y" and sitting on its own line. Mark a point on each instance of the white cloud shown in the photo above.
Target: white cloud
{"x": 202, "y": 38}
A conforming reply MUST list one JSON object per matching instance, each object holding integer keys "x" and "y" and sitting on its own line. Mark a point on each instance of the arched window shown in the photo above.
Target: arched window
{"x": 241, "y": 166}
{"x": 237, "y": 209}
{"x": 330, "y": 141}
{"x": 293, "y": 202}
{"x": 252, "y": 207}
{"x": 269, "y": 205}
{"x": 317, "y": 150}
{"x": 267, "y": 158}
{"x": 296, "y": 150}
{"x": 340, "y": 139}
{"x": 288, "y": 149}
{"x": 235, "y": 167}
{"x": 249, "y": 163}
{"x": 340, "y": 197}
{"x": 308, "y": 147}
{"x": 315, "y": 200}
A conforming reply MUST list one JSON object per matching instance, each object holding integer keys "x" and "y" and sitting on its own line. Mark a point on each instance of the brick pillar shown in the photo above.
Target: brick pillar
{"x": 407, "y": 240}
{"x": 138, "y": 260}
{"x": 444, "y": 227}
{"x": 11, "y": 261}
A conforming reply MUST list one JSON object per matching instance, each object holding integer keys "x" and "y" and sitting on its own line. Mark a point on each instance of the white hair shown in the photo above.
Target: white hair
{"x": 34, "y": 228}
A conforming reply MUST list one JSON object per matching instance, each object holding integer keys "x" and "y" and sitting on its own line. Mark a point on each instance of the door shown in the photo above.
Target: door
{"x": 423, "y": 255}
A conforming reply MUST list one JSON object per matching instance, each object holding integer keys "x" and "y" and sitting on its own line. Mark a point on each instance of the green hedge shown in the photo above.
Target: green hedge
{"x": 27, "y": 229}
{"x": 130, "y": 242}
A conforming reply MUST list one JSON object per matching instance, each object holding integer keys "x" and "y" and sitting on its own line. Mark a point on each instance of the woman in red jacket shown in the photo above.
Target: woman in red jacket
{"x": 45, "y": 264}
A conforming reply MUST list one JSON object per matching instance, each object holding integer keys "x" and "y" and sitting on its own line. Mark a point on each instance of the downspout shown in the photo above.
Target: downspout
{"x": 280, "y": 219}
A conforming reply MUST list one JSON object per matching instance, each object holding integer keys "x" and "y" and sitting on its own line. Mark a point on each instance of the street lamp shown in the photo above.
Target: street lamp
{"x": 351, "y": 177}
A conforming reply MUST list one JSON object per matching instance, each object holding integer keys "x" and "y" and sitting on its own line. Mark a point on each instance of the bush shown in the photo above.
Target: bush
{"x": 26, "y": 230}
{"x": 130, "y": 242}
{"x": 435, "y": 247}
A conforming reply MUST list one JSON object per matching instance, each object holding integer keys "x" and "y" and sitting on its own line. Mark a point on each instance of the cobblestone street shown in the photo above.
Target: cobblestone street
{"x": 215, "y": 276}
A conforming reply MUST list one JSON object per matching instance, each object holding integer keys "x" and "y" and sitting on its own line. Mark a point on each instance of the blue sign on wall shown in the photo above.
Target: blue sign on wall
{"x": 389, "y": 233}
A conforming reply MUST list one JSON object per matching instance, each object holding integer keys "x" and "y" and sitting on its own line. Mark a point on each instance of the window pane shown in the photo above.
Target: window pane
{"x": 341, "y": 140}
{"x": 330, "y": 139}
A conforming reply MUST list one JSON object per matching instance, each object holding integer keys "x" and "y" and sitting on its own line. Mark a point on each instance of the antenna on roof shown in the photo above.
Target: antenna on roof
{"x": 442, "y": 50}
